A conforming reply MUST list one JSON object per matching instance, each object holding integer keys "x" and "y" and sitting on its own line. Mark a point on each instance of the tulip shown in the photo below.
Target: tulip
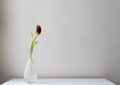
{"x": 38, "y": 29}
{"x": 34, "y": 42}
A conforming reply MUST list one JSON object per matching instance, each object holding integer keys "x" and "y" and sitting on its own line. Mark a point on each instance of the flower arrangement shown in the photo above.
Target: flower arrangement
{"x": 30, "y": 74}
{"x": 34, "y": 42}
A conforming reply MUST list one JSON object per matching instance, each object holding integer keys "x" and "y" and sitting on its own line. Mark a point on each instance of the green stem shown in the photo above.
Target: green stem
{"x": 35, "y": 38}
{"x": 31, "y": 50}
{"x": 32, "y": 46}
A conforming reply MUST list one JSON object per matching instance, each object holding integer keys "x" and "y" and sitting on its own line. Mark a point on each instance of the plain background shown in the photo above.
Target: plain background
{"x": 80, "y": 38}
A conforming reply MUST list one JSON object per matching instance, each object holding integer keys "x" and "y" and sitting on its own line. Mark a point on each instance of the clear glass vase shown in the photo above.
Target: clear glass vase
{"x": 30, "y": 73}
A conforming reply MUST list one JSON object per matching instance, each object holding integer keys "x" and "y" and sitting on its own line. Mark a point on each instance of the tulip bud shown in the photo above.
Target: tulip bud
{"x": 38, "y": 29}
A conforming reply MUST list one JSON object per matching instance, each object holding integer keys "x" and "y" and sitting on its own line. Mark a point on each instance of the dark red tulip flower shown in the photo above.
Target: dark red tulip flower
{"x": 38, "y": 29}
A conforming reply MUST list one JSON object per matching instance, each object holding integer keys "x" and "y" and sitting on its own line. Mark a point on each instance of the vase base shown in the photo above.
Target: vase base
{"x": 30, "y": 81}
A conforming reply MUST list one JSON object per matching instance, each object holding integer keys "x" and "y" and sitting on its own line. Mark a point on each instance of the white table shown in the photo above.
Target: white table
{"x": 62, "y": 81}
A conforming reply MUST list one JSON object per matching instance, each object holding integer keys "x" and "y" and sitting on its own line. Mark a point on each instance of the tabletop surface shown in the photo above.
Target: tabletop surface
{"x": 62, "y": 81}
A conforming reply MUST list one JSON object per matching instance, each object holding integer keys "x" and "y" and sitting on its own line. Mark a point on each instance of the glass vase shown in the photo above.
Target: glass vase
{"x": 30, "y": 73}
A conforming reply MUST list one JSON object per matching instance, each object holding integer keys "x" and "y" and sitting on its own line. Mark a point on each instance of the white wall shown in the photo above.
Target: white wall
{"x": 80, "y": 38}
